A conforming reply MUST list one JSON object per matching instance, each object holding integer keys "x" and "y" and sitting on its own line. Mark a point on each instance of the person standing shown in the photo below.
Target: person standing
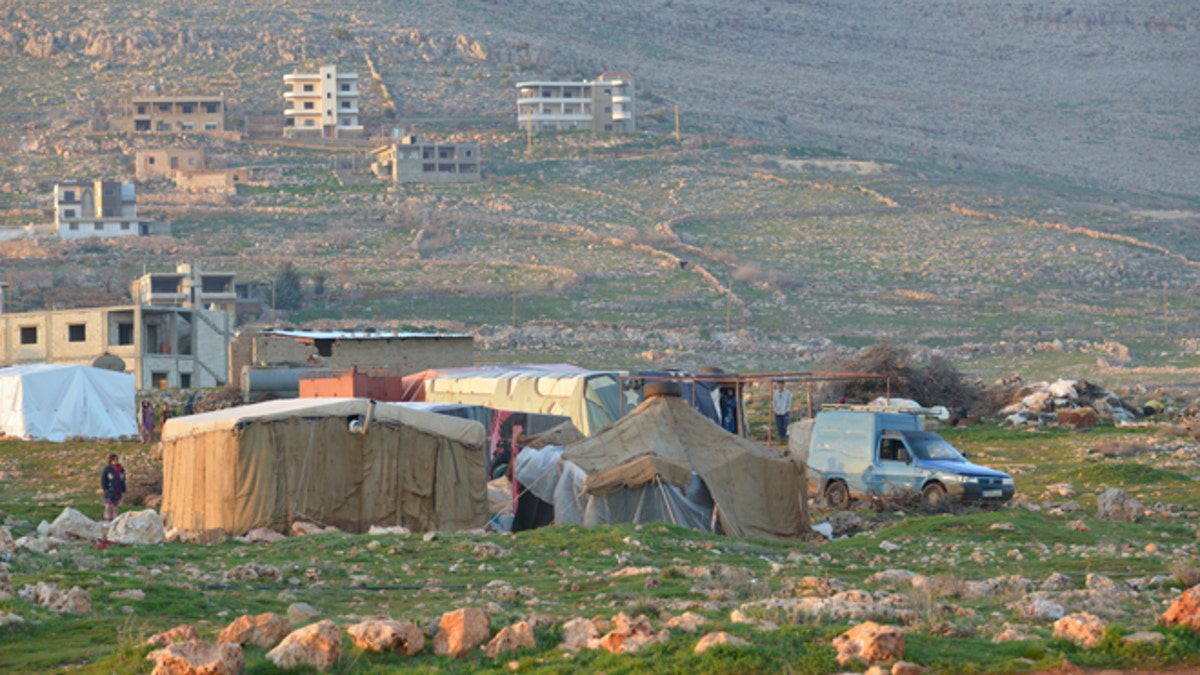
{"x": 729, "y": 410}
{"x": 112, "y": 481}
{"x": 781, "y": 405}
{"x": 147, "y": 426}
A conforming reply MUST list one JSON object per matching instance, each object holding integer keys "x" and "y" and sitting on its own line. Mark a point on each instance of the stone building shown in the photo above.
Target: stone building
{"x": 414, "y": 160}
{"x": 603, "y": 105}
{"x": 176, "y": 114}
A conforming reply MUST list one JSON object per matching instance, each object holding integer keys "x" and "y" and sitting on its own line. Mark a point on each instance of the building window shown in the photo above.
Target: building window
{"x": 124, "y": 333}
{"x": 608, "y": 108}
{"x": 124, "y": 226}
{"x": 345, "y": 87}
{"x": 308, "y": 87}
{"x": 98, "y": 226}
{"x": 346, "y": 104}
{"x": 328, "y": 94}
{"x": 150, "y": 161}
{"x": 74, "y": 227}
{"x": 164, "y": 107}
{"x": 210, "y": 126}
{"x": 29, "y": 335}
{"x": 163, "y": 126}
{"x": 77, "y": 332}
{"x": 188, "y": 109}
{"x": 211, "y": 107}
{"x": 68, "y": 213}
{"x": 186, "y": 126}
{"x": 309, "y": 123}
{"x": 68, "y": 195}
{"x": 159, "y": 380}
{"x": 141, "y": 110}
{"x": 185, "y": 380}
{"x": 308, "y": 105}
{"x": 566, "y": 94}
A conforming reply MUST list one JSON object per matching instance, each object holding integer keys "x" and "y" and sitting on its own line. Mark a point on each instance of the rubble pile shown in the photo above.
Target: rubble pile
{"x": 1075, "y": 403}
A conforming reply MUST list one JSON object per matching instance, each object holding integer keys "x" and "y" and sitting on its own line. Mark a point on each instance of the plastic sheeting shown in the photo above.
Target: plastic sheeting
{"x": 55, "y": 402}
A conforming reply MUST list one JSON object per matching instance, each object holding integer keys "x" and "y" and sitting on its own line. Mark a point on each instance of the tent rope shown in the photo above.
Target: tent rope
{"x": 666, "y": 501}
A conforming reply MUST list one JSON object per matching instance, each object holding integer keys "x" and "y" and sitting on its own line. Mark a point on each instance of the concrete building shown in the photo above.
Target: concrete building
{"x": 167, "y": 338}
{"x": 161, "y": 346}
{"x": 322, "y": 104}
{"x": 166, "y": 162}
{"x": 176, "y": 114}
{"x": 421, "y": 161}
{"x": 103, "y": 208}
{"x": 402, "y": 353}
{"x": 187, "y": 286}
{"x": 603, "y": 105}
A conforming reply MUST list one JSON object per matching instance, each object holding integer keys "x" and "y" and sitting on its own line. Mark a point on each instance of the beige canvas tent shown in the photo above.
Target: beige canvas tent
{"x": 665, "y": 461}
{"x": 351, "y": 463}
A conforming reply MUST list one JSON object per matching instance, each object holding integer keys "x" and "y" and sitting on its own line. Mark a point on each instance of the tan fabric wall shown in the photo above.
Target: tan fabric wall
{"x": 272, "y": 473}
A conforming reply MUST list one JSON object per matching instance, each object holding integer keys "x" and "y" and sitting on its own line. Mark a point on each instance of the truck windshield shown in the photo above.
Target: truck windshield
{"x": 927, "y": 445}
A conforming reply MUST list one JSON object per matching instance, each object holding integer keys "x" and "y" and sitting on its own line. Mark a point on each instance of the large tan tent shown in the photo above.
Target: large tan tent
{"x": 351, "y": 463}
{"x": 665, "y": 447}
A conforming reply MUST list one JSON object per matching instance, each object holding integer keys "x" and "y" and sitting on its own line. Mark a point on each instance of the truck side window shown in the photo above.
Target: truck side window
{"x": 892, "y": 450}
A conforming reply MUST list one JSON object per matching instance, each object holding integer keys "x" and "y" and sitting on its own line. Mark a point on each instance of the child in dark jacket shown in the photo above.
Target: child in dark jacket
{"x": 112, "y": 480}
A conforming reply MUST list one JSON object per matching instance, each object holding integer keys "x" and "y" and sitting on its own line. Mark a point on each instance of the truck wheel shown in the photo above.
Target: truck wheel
{"x": 837, "y": 495}
{"x": 933, "y": 496}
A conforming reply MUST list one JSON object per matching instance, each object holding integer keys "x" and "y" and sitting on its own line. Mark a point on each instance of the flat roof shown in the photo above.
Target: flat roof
{"x": 358, "y": 335}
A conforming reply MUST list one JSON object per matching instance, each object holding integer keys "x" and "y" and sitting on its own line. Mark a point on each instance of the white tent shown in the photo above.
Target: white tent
{"x": 55, "y": 402}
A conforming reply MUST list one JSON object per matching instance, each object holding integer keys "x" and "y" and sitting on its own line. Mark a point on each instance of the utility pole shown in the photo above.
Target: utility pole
{"x": 676, "y": 122}
{"x": 529, "y": 133}
{"x": 514, "y": 310}
{"x": 1166, "y": 312}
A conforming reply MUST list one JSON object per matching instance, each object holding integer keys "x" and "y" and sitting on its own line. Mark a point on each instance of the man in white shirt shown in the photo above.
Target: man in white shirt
{"x": 781, "y": 405}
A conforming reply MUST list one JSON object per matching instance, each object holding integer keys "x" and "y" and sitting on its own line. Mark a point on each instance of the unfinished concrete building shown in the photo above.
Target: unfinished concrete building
{"x": 176, "y": 114}
{"x": 166, "y": 162}
{"x": 322, "y": 104}
{"x": 603, "y": 105}
{"x": 415, "y": 160}
{"x": 187, "y": 286}
{"x": 102, "y": 208}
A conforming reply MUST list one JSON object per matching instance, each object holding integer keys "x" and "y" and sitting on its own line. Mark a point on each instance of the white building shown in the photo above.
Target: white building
{"x": 603, "y": 105}
{"x": 103, "y": 208}
{"x": 323, "y": 104}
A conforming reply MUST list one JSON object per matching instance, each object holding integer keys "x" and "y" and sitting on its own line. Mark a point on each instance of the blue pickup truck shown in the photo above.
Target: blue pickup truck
{"x": 871, "y": 451}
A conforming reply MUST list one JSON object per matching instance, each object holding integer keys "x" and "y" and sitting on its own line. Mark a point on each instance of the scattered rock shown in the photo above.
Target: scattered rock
{"x": 1079, "y": 526}
{"x": 634, "y": 571}
{"x": 7, "y": 545}
{"x": 889, "y": 547}
{"x": 253, "y": 571}
{"x": 1185, "y": 611}
{"x": 263, "y": 535}
{"x": 1044, "y": 609}
{"x": 1086, "y": 630}
{"x": 688, "y": 621}
{"x": 630, "y": 635}
{"x": 9, "y": 619}
{"x": 844, "y": 522}
{"x": 578, "y": 634}
{"x": 301, "y": 528}
{"x": 1002, "y": 527}
{"x": 302, "y": 613}
{"x": 396, "y": 530}
{"x": 511, "y": 638}
{"x": 137, "y": 528}
{"x": 128, "y": 594}
{"x": 1143, "y": 638}
{"x": 908, "y": 668}
{"x": 193, "y": 657}
{"x": 6, "y": 589}
{"x": 461, "y": 631}
{"x": 318, "y": 645}
{"x": 181, "y": 633}
{"x": 48, "y": 595}
{"x": 1114, "y": 504}
{"x": 1100, "y": 583}
{"x": 719, "y": 638}
{"x": 71, "y": 524}
{"x": 1058, "y": 582}
{"x": 870, "y": 642}
{"x": 262, "y": 630}
{"x": 1010, "y": 633}
{"x": 387, "y": 635}
{"x": 211, "y": 537}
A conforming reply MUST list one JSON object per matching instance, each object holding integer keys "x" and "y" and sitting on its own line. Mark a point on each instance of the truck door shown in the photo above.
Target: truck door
{"x": 894, "y": 470}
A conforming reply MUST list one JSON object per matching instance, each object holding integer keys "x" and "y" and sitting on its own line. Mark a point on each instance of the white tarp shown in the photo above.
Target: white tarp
{"x": 55, "y": 402}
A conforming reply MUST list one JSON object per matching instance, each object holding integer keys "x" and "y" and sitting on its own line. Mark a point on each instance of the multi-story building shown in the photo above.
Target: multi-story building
{"x": 603, "y": 105}
{"x": 161, "y": 346}
{"x": 323, "y": 104}
{"x": 176, "y": 114}
{"x": 414, "y": 160}
{"x": 187, "y": 286}
{"x": 103, "y": 208}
